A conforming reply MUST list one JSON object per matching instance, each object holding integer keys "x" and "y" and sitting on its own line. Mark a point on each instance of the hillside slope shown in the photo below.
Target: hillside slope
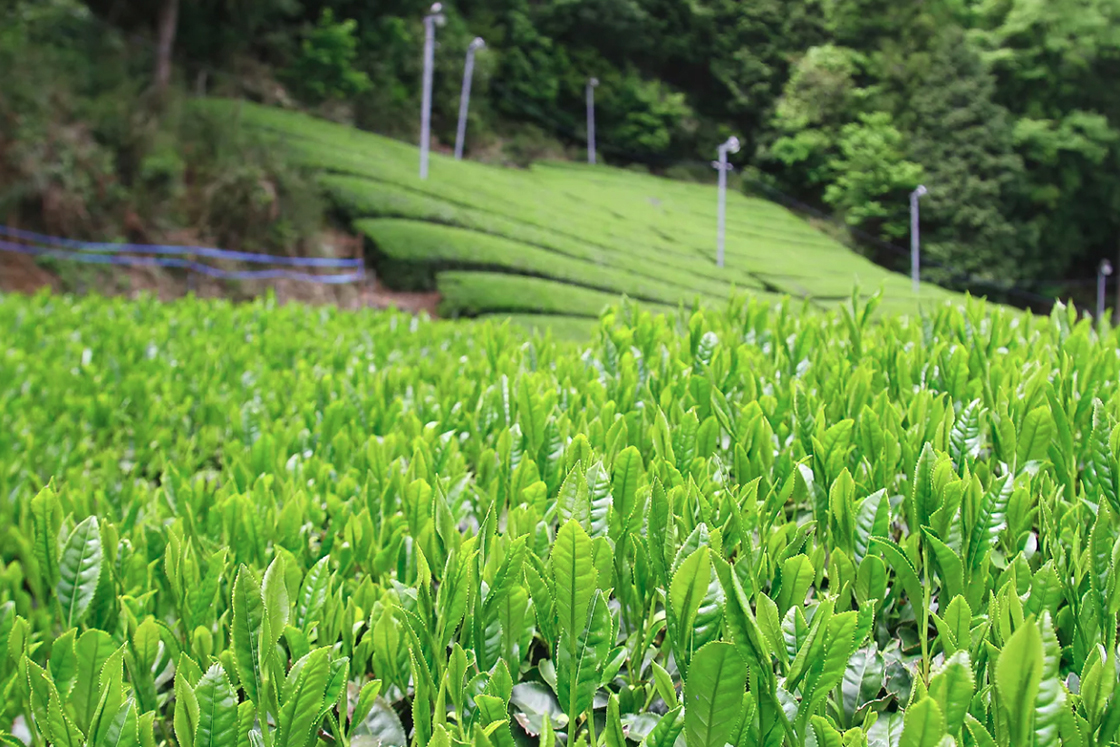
{"x": 562, "y": 239}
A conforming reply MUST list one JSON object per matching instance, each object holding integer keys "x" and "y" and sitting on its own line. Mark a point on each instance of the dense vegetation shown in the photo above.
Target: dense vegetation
{"x": 260, "y": 525}
{"x": 558, "y": 239}
{"x": 1003, "y": 109}
{"x": 88, "y": 150}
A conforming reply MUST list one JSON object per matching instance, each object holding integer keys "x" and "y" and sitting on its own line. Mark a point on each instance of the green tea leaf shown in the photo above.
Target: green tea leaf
{"x": 1017, "y": 677}
{"x": 1050, "y": 703}
{"x": 574, "y": 574}
{"x": 217, "y": 710}
{"x": 952, "y": 688}
{"x": 1035, "y": 435}
{"x": 668, "y": 728}
{"x": 713, "y": 695}
{"x": 274, "y": 591}
{"x": 313, "y": 593}
{"x": 248, "y": 616}
{"x": 92, "y": 649}
{"x": 79, "y": 570}
{"x": 187, "y": 711}
{"x": 624, "y": 489}
{"x": 686, "y": 592}
{"x": 298, "y": 715}
{"x": 903, "y": 569}
{"x": 612, "y": 733}
{"x": 924, "y": 725}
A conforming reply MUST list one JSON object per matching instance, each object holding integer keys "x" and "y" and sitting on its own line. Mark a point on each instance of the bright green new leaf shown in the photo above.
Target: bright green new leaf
{"x": 187, "y": 711}
{"x": 217, "y": 710}
{"x": 924, "y": 725}
{"x": 1017, "y": 676}
{"x": 1035, "y": 435}
{"x": 663, "y": 681}
{"x": 573, "y": 572}
{"x": 952, "y": 687}
{"x": 624, "y": 489}
{"x": 274, "y": 591}
{"x": 687, "y": 590}
{"x": 613, "y": 734}
{"x": 299, "y": 712}
{"x": 668, "y": 728}
{"x": 248, "y": 615}
{"x": 79, "y": 570}
{"x": 713, "y": 695}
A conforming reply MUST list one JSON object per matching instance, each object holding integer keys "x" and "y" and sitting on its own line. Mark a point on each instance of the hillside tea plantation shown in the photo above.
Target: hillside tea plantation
{"x": 558, "y": 242}
{"x": 281, "y": 526}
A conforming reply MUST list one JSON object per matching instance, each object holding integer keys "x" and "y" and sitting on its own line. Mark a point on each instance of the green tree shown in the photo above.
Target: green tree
{"x": 747, "y": 48}
{"x": 325, "y": 66}
{"x": 640, "y": 118}
{"x": 964, "y": 141}
{"x": 819, "y": 98}
{"x": 872, "y": 176}
{"x": 1056, "y": 64}
{"x": 531, "y": 69}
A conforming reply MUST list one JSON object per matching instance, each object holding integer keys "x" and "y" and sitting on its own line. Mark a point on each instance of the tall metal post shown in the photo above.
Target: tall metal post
{"x": 1103, "y": 272}
{"x": 731, "y": 146}
{"x": 465, "y": 96}
{"x": 591, "y": 120}
{"x": 915, "y": 245}
{"x": 431, "y": 20}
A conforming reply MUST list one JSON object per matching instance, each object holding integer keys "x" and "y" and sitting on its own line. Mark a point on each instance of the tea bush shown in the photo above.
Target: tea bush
{"x": 763, "y": 525}
{"x": 603, "y": 228}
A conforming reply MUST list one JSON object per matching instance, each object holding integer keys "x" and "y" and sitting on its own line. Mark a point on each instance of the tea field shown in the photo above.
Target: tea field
{"x": 752, "y": 524}
{"x": 562, "y": 234}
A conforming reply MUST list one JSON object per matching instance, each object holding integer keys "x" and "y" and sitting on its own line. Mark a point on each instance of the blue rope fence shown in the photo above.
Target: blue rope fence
{"x": 182, "y": 257}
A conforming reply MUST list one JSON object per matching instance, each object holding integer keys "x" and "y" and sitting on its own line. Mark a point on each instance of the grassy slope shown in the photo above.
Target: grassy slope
{"x": 523, "y": 242}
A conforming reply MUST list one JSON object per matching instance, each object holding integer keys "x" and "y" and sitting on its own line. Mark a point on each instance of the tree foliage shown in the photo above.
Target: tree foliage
{"x": 1008, "y": 108}
{"x": 872, "y": 175}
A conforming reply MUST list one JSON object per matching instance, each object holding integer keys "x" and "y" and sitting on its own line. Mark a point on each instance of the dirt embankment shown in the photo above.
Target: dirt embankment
{"x": 20, "y": 273}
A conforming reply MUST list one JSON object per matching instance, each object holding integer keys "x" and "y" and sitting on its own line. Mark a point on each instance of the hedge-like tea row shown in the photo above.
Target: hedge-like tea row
{"x": 281, "y": 526}
{"x": 601, "y": 227}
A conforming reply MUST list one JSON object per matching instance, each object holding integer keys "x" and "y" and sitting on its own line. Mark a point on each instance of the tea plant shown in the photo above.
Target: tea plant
{"x": 600, "y": 228}
{"x": 260, "y": 525}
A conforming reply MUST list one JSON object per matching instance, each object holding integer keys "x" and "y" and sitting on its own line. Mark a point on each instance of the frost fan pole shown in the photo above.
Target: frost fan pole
{"x": 915, "y": 246}
{"x": 465, "y": 96}
{"x": 731, "y": 146}
{"x": 591, "y": 120}
{"x": 433, "y": 19}
{"x": 1102, "y": 279}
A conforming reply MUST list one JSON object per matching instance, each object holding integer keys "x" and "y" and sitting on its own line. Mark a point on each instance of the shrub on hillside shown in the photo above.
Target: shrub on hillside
{"x": 87, "y": 152}
{"x": 324, "y": 68}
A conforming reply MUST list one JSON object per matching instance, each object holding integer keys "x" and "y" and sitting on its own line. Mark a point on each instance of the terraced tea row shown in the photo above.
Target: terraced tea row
{"x": 601, "y": 228}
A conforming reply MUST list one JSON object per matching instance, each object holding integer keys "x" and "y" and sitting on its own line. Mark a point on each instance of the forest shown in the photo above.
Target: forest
{"x": 1002, "y": 108}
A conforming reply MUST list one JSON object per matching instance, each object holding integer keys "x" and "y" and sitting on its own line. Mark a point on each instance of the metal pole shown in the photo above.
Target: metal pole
{"x": 1103, "y": 272}
{"x": 465, "y": 96}
{"x": 915, "y": 245}
{"x": 591, "y": 120}
{"x": 430, "y": 22}
{"x": 731, "y": 146}
{"x": 1116, "y": 304}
